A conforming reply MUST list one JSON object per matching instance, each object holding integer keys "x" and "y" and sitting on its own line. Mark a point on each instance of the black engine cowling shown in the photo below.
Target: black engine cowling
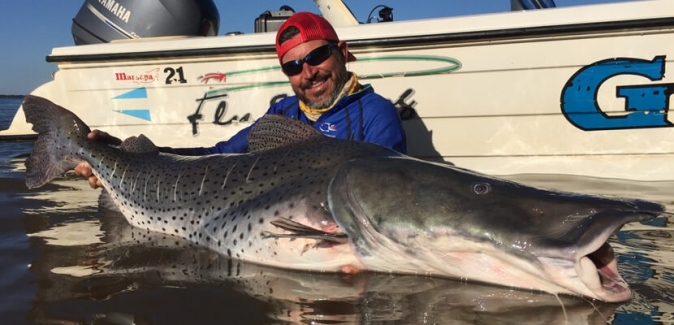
{"x": 101, "y": 21}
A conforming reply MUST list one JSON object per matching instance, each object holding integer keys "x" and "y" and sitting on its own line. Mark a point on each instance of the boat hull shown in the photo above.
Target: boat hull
{"x": 512, "y": 93}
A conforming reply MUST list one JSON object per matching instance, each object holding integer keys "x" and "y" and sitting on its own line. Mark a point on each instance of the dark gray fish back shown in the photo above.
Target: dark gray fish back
{"x": 274, "y": 131}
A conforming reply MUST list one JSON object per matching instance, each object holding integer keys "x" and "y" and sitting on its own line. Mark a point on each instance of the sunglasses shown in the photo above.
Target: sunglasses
{"x": 314, "y": 58}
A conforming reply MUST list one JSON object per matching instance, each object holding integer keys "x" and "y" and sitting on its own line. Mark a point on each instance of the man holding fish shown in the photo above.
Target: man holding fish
{"x": 327, "y": 95}
{"x": 301, "y": 200}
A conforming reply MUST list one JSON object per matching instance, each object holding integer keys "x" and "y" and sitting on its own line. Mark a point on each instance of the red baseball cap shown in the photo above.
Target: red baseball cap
{"x": 312, "y": 27}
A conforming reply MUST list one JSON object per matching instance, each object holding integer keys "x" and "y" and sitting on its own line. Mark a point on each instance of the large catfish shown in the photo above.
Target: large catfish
{"x": 300, "y": 200}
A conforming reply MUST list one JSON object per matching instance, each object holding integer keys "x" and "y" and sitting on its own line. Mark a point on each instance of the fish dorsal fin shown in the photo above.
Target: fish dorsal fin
{"x": 272, "y": 131}
{"x": 139, "y": 144}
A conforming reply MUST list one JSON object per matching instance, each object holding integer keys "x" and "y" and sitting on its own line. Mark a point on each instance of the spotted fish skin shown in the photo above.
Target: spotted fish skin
{"x": 224, "y": 202}
{"x": 300, "y": 200}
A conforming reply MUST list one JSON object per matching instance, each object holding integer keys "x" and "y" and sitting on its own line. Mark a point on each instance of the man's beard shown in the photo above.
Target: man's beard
{"x": 342, "y": 76}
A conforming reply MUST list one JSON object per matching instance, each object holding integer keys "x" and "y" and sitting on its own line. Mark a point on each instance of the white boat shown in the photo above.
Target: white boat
{"x": 569, "y": 90}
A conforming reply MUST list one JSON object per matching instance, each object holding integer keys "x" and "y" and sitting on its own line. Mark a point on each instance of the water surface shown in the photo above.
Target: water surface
{"x": 65, "y": 262}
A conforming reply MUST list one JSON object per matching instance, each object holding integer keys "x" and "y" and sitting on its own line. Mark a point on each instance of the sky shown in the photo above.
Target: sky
{"x": 29, "y": 29}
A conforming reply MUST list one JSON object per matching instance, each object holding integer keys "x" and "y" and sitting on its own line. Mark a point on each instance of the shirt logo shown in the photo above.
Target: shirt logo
{"x": 328, "y": 128}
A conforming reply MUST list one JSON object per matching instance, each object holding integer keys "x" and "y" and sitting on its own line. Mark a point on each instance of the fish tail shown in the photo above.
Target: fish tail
{"x": 55, "y": 150}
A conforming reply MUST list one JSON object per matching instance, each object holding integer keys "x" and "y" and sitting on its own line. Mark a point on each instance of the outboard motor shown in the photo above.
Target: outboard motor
{"x": 101, "y": 21}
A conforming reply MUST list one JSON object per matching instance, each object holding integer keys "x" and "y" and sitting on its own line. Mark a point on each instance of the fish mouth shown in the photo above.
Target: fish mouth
{"x": 594, "y": 271}
{"x": 599, "y": 271}
{"x": 593, "y": 274}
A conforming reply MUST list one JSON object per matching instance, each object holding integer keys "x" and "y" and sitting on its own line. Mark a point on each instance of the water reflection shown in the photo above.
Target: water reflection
{"x": 157, "y": 279}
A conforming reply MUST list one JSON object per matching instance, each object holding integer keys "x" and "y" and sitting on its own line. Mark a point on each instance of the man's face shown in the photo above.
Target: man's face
{"x": 318, "y": 86}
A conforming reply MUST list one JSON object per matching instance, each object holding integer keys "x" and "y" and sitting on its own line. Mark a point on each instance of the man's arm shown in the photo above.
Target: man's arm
{"x": 236, "y": 144}
{"x": 383, "y": 126}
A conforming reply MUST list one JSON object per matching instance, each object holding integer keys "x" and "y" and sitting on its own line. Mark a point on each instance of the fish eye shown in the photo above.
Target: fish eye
{"x": 481, "y": 188}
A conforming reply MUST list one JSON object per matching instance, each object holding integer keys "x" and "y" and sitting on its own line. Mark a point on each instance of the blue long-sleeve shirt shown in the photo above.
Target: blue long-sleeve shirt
{"x": 364, "y": 116}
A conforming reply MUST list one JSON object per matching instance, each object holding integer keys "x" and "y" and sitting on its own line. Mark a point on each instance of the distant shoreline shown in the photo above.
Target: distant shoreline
{"x": 12, "y": 96}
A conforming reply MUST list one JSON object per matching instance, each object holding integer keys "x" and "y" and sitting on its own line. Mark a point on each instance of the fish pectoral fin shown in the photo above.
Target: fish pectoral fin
{"x": 299, "y": 230}
{"x": 337, "y": 238}
{"x": 289, "y": 225}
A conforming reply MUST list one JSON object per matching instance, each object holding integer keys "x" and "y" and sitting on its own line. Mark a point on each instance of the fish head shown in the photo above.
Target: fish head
{"x": 405, "y": 215}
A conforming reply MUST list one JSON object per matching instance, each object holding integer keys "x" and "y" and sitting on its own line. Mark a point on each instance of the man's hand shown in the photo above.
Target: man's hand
{"x": 104, "y": 137}
{"x": 84, "y": 169}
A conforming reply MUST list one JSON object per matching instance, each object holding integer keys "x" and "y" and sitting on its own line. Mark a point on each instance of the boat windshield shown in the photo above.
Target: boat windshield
{"x": 531, "y": 4}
